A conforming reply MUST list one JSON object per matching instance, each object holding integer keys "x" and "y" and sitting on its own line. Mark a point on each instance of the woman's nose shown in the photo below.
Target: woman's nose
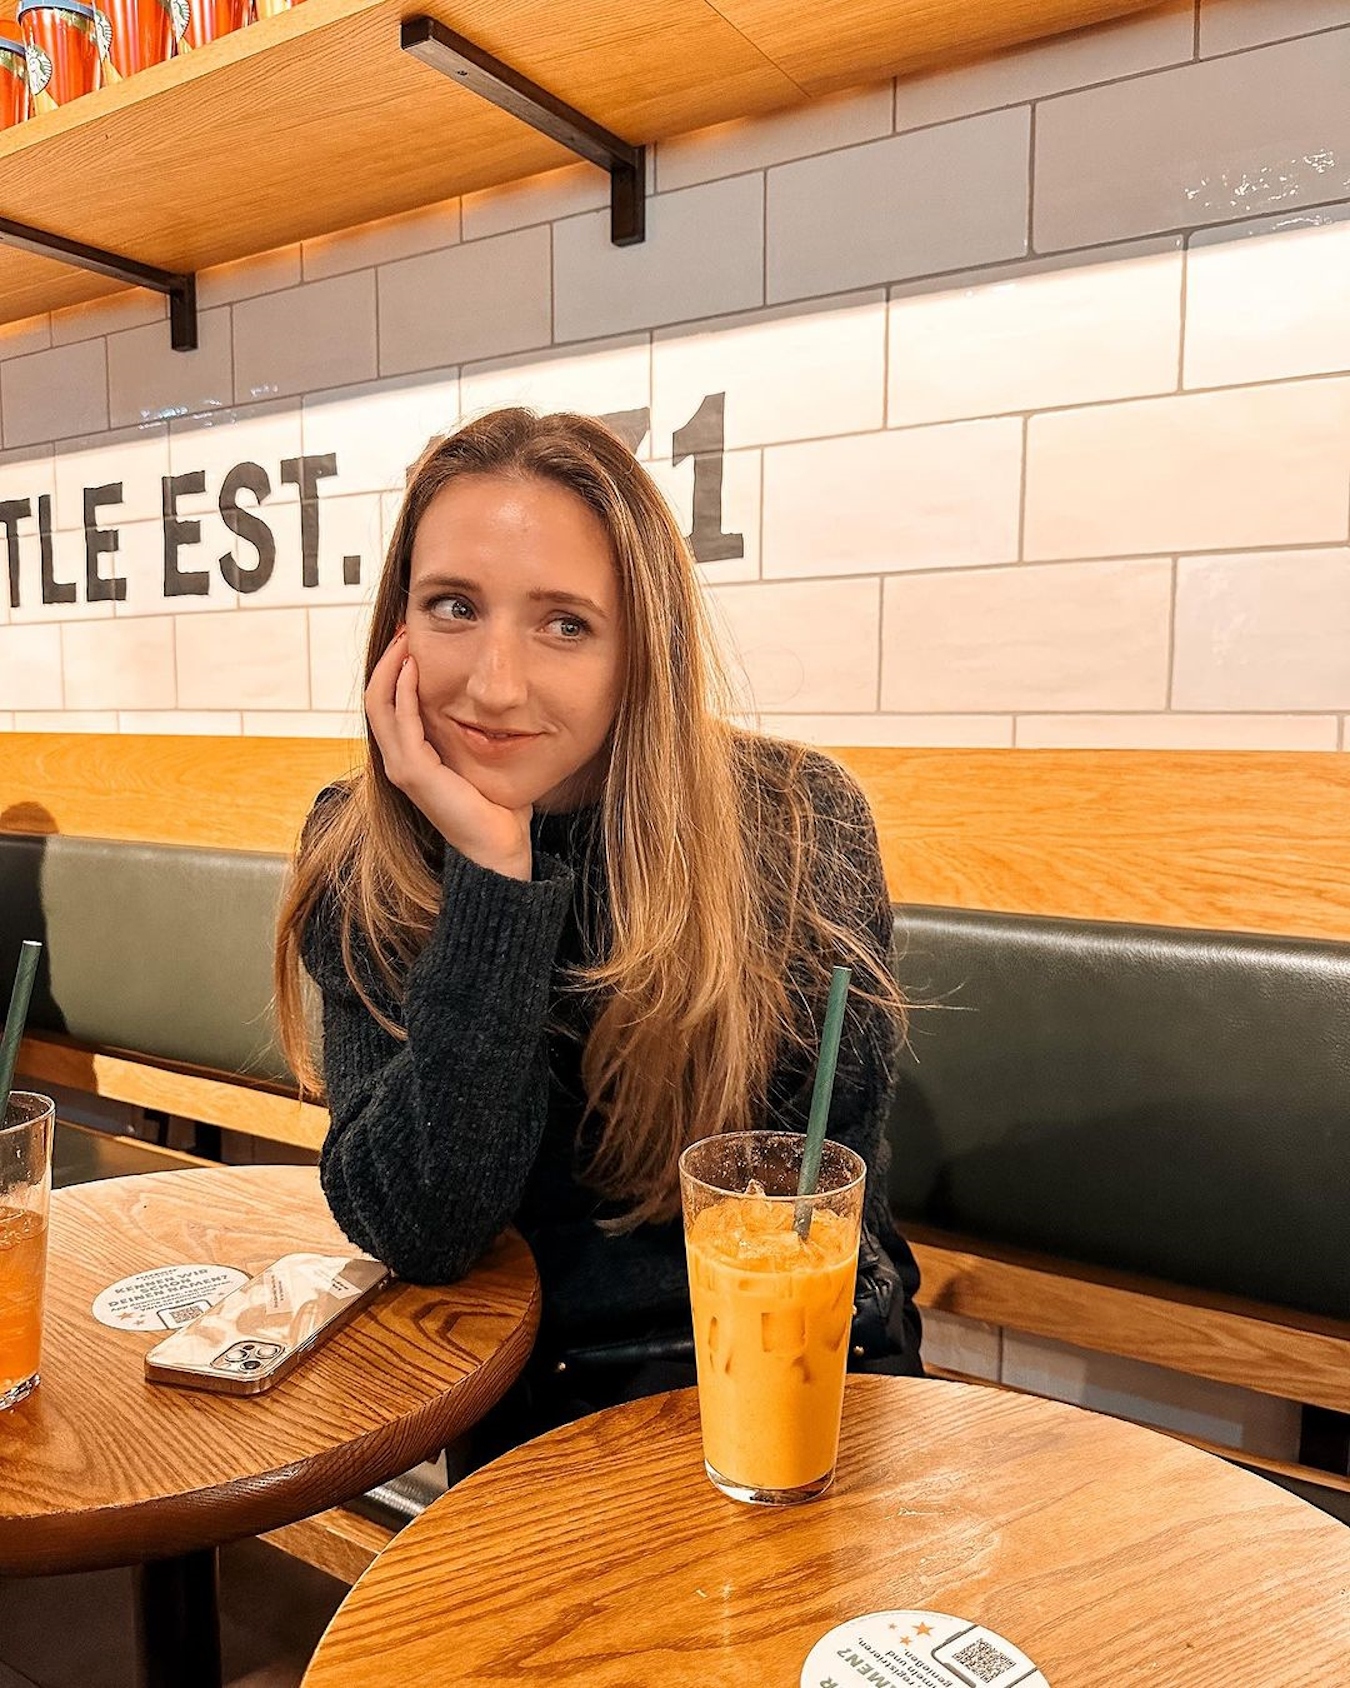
{"x": 497, "y": 678}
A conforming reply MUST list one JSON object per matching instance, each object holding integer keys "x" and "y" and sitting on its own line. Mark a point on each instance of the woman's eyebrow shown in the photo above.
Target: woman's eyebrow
{"x": 544, "y": 595}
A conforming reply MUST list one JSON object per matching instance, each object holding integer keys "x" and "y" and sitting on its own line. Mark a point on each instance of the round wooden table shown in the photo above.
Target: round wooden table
{"x": 99, "y": 1467}
{"x": 601, "y": 1555}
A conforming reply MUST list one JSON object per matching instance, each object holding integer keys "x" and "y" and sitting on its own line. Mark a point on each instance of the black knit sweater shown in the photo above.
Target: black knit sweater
{"x": 473, "y": 1123}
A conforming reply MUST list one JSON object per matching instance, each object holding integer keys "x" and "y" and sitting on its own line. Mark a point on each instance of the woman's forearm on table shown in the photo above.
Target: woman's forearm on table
{"x": 431, "y": 1140}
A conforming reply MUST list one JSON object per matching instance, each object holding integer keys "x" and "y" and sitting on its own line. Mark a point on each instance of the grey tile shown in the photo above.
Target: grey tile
{"x": 479, "y": 300}
{"x": 148, "y": 379}
{"x": 703, "y": 256}
{"x": 319, "y": 335}
{"x": 1229, "y": 25}
{"x": 1221, "y": 139}
{"x": 54, "y": 394}
{"x": 943, "y": 199}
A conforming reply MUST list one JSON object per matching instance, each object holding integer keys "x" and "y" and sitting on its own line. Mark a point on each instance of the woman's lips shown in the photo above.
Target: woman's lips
{"x": 484, "y": 743}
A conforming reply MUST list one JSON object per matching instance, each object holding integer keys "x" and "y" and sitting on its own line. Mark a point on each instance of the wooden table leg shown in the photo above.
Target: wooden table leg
{"x": 179, "y": 1621}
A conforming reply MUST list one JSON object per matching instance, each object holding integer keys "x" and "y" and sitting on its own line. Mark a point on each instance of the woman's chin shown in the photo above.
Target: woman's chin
{"x": 501, "y": 786}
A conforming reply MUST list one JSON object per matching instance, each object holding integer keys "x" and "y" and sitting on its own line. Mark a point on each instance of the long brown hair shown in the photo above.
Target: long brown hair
{"x": 720, "y": 947}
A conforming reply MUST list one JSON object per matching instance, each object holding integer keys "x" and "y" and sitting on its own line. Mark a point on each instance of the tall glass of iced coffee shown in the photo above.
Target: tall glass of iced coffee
{"x": 771, "y": 1278}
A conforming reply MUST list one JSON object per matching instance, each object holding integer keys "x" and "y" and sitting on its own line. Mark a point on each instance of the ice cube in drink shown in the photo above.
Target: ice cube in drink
{"x": 772, "y": 1313}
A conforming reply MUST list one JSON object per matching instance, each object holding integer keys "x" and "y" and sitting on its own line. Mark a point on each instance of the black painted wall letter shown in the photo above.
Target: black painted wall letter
{"x": 252, "y": 478}
{"x": 306, "y": 473}
{"x": 702, "y": 438}
{"x": 101, "y": 542}
{"x": 14, "y": 511}
{"x": 54, "y": 591}
{"x": 180, "y": 531}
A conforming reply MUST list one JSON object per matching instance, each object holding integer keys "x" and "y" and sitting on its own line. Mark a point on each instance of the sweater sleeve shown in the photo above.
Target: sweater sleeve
{"x": 431, "y": 1140}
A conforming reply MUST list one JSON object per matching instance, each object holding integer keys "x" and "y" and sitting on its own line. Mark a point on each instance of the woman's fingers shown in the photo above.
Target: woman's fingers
{"x": 381, "y": 700}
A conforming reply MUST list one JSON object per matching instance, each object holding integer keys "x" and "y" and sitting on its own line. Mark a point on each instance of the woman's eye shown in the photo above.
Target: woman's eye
{"x": 571, "y": 626}
{"x": 450, "y": 609}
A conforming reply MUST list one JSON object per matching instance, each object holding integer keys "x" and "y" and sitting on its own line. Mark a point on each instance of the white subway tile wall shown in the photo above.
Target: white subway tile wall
{"x": 1036, "y": 339}
{"x": 1269, "y": 300}
{"x": 733, "y": 149}
{"x": 1074, "y": 637}
{"x": 32, "y": 334}
{"x": 1014, "y": 399}
{"x": 913, "y": 498}
{"x": 602, "y": 378}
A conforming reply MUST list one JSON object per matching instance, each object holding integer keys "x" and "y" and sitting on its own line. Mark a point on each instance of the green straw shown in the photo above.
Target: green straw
{"x": 820, "y": 1098}
{"x": 14, "y": 1020}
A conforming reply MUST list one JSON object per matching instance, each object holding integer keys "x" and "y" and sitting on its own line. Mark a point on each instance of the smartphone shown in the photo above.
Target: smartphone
{"x": 262, "y": 1330}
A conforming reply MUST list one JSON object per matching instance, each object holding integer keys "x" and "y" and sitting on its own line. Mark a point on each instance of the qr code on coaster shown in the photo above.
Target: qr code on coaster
{"x": 984, "y": 1661}
{"x": 184, "y": 1315}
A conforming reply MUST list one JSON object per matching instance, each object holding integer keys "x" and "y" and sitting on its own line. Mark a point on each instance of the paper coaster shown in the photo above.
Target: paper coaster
{"x": 917, "y": 1650}
{"x": 166, "y": 1297}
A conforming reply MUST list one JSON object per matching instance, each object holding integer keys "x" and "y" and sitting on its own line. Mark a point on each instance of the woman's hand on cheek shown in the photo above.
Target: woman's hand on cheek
{"x": 493, "y": 837}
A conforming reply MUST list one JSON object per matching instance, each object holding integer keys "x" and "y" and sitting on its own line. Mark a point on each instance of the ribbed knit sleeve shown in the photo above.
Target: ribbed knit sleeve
{"x": 432, "y": 1140}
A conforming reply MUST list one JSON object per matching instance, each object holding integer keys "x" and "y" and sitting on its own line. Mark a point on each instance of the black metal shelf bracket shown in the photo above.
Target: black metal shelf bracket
{"x": 181, "y": 289}
{"x": 472, "y": 68}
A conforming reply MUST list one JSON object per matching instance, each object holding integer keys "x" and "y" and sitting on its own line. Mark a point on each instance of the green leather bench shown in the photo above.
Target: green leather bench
{"x": 155, "y": 984}
{"x": 1136, "y": 1139}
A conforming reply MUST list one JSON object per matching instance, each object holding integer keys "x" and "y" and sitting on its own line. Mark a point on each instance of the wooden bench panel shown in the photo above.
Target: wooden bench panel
{"x": 1240, "y": 841}
{"x": 235, "y": 1106}
{"x": 342, "y": 1543}
{"x": 1292, "y": 1356}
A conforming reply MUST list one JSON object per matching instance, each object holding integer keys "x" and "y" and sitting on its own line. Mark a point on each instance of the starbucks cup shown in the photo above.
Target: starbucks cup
{"x": 140, "y": 34}
{"x": 207, "y": 20}
{"x": 61, "y": 39}
{"x": 13, "y": 77}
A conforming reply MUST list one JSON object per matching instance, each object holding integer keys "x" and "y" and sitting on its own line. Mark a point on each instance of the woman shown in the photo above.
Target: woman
{"x": 567, "y": 920}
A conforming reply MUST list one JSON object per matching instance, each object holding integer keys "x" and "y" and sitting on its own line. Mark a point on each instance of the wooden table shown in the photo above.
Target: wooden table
{"x": 601, "y": 1555}
{"x": 100, "y": 1468}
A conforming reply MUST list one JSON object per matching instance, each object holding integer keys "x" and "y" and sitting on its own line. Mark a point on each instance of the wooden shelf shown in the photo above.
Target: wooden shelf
{"x": 315, "y": 120}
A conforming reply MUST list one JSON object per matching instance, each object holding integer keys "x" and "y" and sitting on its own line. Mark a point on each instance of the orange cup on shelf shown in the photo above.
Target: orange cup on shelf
{"x": 61, "y": 38}
{"x": 140, "y": 33}
{"x": 208, "y": 20}
{"x": 13, "y": 77}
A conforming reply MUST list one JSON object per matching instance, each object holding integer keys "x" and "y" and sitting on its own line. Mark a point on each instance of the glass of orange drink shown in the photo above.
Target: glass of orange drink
{"x": 771, "y": 1277}
{"x": 25, "y": 1192}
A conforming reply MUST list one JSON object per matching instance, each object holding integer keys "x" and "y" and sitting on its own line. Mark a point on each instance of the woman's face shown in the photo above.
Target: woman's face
{"x": 516, "y": 626}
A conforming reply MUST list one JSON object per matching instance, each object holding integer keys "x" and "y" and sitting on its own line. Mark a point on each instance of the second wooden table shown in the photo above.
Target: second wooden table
{"x": 600, "y": 1555}
{"x": 101, "y": 1468}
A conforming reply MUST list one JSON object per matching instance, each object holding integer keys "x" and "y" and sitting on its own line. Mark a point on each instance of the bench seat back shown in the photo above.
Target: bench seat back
{"x": 1168, "y": 1102}
{"x": 152, "y": 948}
